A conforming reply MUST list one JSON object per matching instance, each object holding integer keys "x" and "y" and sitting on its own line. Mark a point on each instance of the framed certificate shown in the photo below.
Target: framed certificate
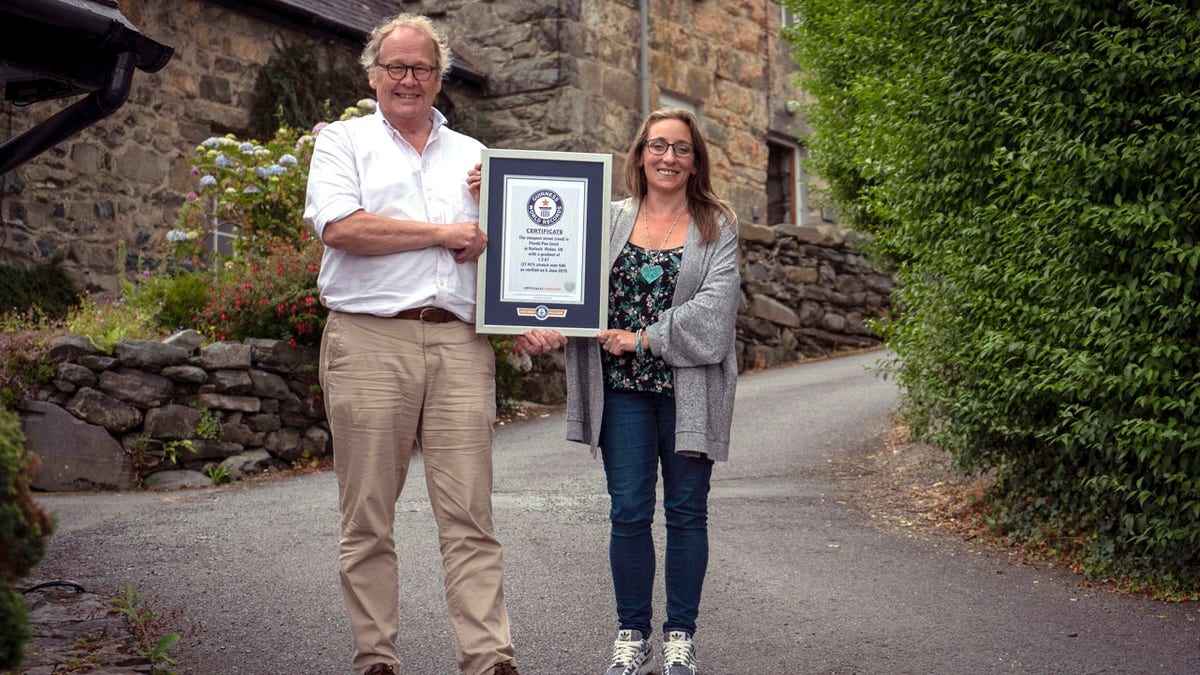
{"x": 546, "y": 264}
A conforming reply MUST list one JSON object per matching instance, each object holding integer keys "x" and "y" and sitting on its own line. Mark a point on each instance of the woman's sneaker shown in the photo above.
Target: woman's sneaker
{"x": 679, "y": 654}
{"x": 631, "y": 654}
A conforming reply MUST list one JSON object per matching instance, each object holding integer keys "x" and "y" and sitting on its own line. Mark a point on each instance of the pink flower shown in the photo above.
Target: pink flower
{"x": 192, "y": 196}
{"x": 319, "y": 126}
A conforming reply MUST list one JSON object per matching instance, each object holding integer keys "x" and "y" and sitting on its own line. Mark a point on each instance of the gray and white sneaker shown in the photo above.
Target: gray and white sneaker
{"x": 679, "y": 654}
{"x": 631, "y": 654}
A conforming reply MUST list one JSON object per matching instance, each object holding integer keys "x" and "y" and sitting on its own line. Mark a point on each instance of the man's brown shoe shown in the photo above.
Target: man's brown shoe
{"x": 380, "y": 669}
{"x": 505, "y": 668}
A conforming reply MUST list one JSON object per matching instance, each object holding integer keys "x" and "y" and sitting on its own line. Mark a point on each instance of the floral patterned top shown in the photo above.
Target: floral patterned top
{"x": 635, "y": 300}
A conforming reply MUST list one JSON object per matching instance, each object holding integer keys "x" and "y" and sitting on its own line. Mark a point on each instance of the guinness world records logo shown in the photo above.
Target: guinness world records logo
{"x": 544, "y": 207}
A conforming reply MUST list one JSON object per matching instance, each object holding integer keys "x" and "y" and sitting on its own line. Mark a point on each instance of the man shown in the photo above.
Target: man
{"x": 394, "y": 197}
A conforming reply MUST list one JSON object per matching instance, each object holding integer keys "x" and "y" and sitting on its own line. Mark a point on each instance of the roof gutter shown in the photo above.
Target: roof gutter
{"x": 129, "y": 51}
{"x": 70, "y": 121}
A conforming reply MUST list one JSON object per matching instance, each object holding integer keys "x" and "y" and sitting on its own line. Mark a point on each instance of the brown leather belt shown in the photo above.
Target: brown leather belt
{"x": 428, "y": 315}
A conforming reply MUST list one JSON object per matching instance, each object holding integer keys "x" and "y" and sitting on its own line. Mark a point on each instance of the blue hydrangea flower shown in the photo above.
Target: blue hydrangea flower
{"x": 207, "y": 180}
{"x": 250, "y": 189}
{"x": 261, "y": 172}
{"x": 223, "y": 161}
{"x": 246, "y": 146}
{"x": 212, "y": 143}
{"x": 288, "y": 160}
{"x": 276, "y": 170}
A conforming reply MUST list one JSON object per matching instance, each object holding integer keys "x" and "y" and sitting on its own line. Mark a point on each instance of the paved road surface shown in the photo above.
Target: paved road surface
{"x": 799, "y": 582}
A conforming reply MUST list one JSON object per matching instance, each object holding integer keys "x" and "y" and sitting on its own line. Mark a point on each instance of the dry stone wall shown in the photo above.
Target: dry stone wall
{"x": 166, "y": 414}
{"x": 806, "y": 292}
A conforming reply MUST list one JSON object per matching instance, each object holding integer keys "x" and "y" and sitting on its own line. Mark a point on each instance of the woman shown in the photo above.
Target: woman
{"x": 656, "y": 388}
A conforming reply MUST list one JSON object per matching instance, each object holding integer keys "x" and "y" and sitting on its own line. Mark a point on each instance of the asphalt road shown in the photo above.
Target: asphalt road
{"x": 800, "y": 581}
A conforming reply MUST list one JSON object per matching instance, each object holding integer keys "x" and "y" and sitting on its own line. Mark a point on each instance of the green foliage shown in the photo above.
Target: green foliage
{"x": 173, "y": 298}
{"x": 300, "y": 86}
{"x": 24, "y": 356}
{"x": 209, "y": 427}
{"x": 218, "y": 474}
{"x": 46, "y": 288}
{"x": 14, "y": 627}
{"x": 171, "y": 449}
{"x": 255, "y": 187}
{"x": 272, "y": 294}
{"x": 1030, "y": 168}
{"x": 24, "y": 529}
{"x": 106, "y": 322}
{"x": 147, "y": 625}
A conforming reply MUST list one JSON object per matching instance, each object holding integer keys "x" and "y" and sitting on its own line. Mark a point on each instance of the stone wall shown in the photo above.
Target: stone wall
{"x": 806, "y": 292}
{"x": 116, "y": 422}
{"x": 161, "y": 414}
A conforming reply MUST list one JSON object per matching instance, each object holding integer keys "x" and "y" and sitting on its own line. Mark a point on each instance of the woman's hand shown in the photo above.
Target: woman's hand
{"x": 539, "y": 341}
{"x": 617, "y": 341}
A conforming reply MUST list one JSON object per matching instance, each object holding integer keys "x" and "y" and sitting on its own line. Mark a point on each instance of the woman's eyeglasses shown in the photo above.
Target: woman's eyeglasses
{"x": 658, "y": 146}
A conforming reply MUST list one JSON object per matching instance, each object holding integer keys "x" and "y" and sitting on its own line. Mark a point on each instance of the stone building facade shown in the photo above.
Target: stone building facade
{"x": 568, "y": 75}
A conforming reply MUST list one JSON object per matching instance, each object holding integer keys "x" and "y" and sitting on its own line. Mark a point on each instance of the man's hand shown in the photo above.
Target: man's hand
{"x": 465, "y": 240}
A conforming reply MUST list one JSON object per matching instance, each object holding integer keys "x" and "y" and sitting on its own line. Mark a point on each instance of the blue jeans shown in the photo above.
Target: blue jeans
{"x": 636, "y": 435}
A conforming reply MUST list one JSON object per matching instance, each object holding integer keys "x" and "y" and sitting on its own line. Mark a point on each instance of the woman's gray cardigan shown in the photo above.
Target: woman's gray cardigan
{"x": 695, "y": 336}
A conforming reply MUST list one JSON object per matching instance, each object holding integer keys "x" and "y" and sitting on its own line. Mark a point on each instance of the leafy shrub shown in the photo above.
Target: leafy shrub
{"x": 24, "y": 356}
{"x": 300, "y": 86}
{"x": 174, "y": 298}
{"x": 24, "y": 529}
{"x": 272, "y": 294}
{"x": 1029, "y": 168}
{"x": 45, "y": 287}
{"x": 257, "y": 188}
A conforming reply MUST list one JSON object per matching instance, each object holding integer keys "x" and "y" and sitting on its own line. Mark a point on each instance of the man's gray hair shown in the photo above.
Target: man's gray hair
{"x": 370, "y": 53}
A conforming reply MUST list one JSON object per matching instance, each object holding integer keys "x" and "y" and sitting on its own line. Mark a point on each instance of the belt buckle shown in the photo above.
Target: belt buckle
{"x": 421, "y": 314}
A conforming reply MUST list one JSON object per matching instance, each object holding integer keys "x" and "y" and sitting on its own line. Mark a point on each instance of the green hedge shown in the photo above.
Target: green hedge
{"x": 24, "y": 530}
{"x": 1032, "y": 170}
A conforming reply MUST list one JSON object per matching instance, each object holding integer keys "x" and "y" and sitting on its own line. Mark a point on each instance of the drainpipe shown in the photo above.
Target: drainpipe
{"x": 644, "y": 58}
{"x": 96, "y": 106}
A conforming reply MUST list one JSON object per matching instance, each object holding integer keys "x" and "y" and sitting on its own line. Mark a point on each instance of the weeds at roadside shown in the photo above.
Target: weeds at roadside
{"x": 149, "y": 628}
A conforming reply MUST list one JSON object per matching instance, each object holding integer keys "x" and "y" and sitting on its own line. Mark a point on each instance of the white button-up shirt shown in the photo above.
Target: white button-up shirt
{"x": 364, "y": 164}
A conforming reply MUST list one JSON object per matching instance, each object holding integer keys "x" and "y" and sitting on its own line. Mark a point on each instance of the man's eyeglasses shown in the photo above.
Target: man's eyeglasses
{"x": 398, "y": 71}
{"x": 658, "y": 146}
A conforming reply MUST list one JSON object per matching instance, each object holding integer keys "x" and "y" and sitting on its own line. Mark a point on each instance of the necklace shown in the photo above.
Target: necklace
{"x": 652, "y": 271}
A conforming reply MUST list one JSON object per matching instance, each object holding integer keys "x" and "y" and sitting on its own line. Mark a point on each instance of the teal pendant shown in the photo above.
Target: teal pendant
{"x": 651, "y": 273}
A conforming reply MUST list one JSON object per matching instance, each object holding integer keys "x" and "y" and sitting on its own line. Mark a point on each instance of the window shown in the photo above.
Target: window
{"x": 666, "y": 100}
{"x": 787, "y": 193}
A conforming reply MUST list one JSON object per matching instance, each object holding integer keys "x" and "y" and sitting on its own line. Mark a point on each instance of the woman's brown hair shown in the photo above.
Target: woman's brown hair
{"x": 704, "y": 205}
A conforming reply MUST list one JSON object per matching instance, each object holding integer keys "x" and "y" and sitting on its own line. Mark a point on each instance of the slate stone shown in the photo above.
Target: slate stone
{"x": 72, "y": 454}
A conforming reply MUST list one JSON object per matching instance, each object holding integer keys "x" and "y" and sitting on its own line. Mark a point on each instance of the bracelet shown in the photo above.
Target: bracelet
{"x": 639, "y": 343}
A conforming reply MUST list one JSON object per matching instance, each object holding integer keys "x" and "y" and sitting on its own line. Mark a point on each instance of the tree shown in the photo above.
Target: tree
{"x": 1032, "y": 171}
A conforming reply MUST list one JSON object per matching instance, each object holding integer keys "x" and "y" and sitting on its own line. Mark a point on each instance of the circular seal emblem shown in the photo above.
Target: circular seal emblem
{"x": 545, "y": 207}
{"x": 541, "y": 312}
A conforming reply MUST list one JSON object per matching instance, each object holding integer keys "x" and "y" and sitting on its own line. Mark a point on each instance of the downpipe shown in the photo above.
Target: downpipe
{"x": 94, "y": 107}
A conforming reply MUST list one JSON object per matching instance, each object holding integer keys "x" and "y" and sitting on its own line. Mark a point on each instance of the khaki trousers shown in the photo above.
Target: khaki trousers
{"x": 392, "y": 387}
